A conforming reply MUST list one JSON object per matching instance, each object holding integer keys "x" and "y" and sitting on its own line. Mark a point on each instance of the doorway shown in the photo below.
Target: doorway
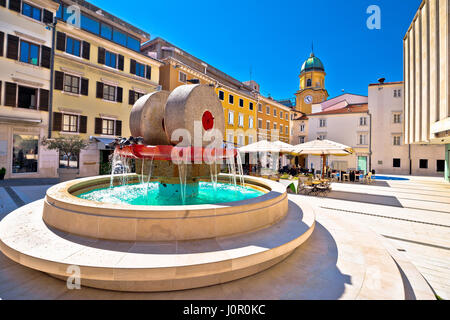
{"x": 362, "y": 163}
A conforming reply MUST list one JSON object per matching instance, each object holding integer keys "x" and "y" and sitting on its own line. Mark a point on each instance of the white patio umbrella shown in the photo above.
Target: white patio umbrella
{"x": 322, "y": 148}
{"x": 260, "y": 146}
{"x": 285, "y": 147}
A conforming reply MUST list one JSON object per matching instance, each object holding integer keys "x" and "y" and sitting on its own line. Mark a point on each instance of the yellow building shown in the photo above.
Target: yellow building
{"x": 99, "y": 72}
{"x": 312, "y": 85}
{"x": 239, "y": 99}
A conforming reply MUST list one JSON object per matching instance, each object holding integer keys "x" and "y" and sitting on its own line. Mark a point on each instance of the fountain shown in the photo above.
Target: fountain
{"x": 176, "y": 223}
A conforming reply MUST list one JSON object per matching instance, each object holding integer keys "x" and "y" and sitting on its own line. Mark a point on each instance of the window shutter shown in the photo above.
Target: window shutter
{"x": 101, "y": 55}
{"x": 43, "y": 100}
{"x": 45, "y": 57}
{"x": 59, "y": 80}
{"x": 61, "y": 41}
{"x": 132, "y": 66}
{"x": 100, "y": 90}
{"x": 98, "y": 125}
{"x": 10, "y": 94}
{"x": 57, "y": 121}
{"x": 3, "y": 3}
{"x": 119, "y": 97}
{"x": 131, "y": 97}
{"x": 48, "y": 17}
{"x": 2, "y": 40}
{"x": 86, "y": 50}
{"x": 120, "y": 63}
{"x": 12, "y": 51}
{"x": 84, "y": 87}
{"x": 83, "y": 124}
{"x": 14, "y": 5}
{"x": 0, "y": 92}
{"x": 118, "y": 128}
{"x": 148, "y": 74}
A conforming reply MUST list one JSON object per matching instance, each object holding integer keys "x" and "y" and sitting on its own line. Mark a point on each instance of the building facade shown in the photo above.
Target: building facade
{"x": 240, "y": 100}
{"x": 99, "y": 72}
{"x": 427, "y": 77}
{"x": 390, "y": 154}
{"x": 25, "y": 51}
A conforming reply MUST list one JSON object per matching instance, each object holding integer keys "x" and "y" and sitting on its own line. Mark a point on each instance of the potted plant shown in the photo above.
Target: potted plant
{"x": 69, "y": 147}
{"x": 2, "y": 173}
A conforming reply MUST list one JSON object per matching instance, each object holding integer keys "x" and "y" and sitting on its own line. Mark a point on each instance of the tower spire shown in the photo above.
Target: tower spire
{"x": 312, "y": 48}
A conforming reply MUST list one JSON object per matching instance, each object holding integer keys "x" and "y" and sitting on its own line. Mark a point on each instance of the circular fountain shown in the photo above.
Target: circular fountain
{"x": 176, "y": 223}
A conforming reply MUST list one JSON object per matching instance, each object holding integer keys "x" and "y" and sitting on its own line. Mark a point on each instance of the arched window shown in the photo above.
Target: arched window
{"x": 309, "y": 83}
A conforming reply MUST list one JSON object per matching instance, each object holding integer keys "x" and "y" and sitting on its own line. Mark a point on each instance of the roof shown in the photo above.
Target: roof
{"x": 312, "y": 64}
{"x": 385, "y": 83}
{"x": 356, "y": 108}
{"x": 349, "y": 97}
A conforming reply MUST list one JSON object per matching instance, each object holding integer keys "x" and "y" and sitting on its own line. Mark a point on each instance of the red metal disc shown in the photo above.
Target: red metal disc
{"x": 207, "y": 120}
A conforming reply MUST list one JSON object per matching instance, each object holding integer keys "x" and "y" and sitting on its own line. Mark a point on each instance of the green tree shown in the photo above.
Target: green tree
{"x": 67, "y": 145}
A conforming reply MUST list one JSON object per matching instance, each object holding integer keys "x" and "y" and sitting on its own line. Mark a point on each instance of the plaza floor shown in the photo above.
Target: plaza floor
{"x": 411, "y": 218}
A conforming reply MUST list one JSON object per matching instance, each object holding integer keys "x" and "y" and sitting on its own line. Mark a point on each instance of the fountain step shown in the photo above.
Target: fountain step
{"x": 151, "y": 266}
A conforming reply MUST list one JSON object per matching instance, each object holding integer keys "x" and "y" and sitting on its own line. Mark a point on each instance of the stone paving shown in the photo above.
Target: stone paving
{"x": 413, "y": 216}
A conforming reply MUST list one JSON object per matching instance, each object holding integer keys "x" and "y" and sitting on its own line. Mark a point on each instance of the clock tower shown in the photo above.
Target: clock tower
{"x": 312, "y": 84}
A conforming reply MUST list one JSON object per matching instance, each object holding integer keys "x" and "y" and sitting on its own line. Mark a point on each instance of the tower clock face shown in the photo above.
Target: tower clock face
{"x": 308, "y": 99}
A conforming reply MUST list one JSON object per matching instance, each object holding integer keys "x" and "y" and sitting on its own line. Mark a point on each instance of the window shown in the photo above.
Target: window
{"x": 230, "y": 117}
{"x": 140, "y": 70}
{"x": 397, "y": 93}
{"x": 70, "y": 123}
{"x": 32, "y": 12}
{"x": 29, "y": 53}
{"x": 309, "y": 83}
{"x": 259, "y": 123}
{"x": 362, "y": 139}
{"x": 397, "y": 118}
{"x": 71, "y": 161}
{"x": 281, "y": 114}
{"x": 396, "y": 163}
{"x": 106, "y": 31}
{"x": 89, "y": 24}
{"x": 250, "y": 106}
{"x": 241, "y": 103}
{"x": 302, "y": 128}
{"x": 423, "y": 164}
{"x": 27, "y": 98}
{"x": 240, "y": 140}
{"x": 221, "y": 95}
{"x": 25, "y": 153}
{"x": 301, "y": 139}
{"x": 363, "y": 121}
{"x": 108, "y": 127}
{"x": 73, "y": 46}
{"x": 287, "y": 116}
{"x": 250, "y": 122}
{"x": 440, "y": 165}
{"x": 119, "y": 37}
{"x": 230, "y": 138}
{"x": 274, "y": 126}
{"x": 281, "y": 129}
{"x": 111, "y": 59}
{"x": 267, "y": 125}
{"x": 274, "y": 112}
{"x": 322, "y": 137}
{"x": 71, "y": 84}
{"x": 322, "y": 123}
{"x": 286, "y": 130}
{"x": 182, "y": 77}
{"x": 241, "y": 120}
{"x": 397, "y": 140}
{"x": 109, "y": 92}
{"x": 250, "y": 139}
{"x": 230, "y": 99}
{"x": 260, "y": 107}
{"x": 267, "y": 110}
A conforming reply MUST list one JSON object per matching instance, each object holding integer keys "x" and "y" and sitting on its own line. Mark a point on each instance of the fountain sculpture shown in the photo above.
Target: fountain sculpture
{"x": 176, "y": 223}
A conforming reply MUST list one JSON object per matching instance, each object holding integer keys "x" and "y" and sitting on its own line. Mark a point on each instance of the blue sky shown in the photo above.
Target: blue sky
{"x": 273, "y": 38}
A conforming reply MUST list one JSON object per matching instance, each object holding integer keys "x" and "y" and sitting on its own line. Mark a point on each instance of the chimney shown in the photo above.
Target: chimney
{"x": 381, "y": 80}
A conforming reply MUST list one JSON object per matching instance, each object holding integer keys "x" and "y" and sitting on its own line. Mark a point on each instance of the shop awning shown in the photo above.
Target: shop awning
{"x": 5, "y": 119}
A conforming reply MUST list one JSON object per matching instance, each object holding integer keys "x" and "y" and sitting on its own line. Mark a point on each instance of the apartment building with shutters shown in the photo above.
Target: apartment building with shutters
{"x": 99, "y": 73}
{"x": 25, "y": 53}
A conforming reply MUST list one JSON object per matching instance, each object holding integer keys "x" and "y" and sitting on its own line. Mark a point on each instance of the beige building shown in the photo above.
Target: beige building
{"x": 390, "y": 154}
{"x": 427, "y": 77}
{"x": 25, "y": 50}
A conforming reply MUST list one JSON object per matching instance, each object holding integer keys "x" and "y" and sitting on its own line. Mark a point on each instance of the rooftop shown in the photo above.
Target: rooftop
{"x": 356, "y": 108}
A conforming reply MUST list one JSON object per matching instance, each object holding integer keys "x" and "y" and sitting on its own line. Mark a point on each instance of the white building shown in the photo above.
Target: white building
{"x": 346, "y": 120}
{"x": 25, "y": 52}
{"x": 390, "y": 155}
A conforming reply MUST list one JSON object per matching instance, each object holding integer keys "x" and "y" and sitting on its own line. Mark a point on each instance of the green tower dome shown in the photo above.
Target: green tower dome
{"x": 312, "y": 64}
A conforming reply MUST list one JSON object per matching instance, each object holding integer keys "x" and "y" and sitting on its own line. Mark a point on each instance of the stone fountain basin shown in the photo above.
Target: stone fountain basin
{"x": 64, "y": 211}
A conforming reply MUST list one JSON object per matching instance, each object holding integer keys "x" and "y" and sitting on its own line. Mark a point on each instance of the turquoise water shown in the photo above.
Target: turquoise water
{"x": 139, "y": 194}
